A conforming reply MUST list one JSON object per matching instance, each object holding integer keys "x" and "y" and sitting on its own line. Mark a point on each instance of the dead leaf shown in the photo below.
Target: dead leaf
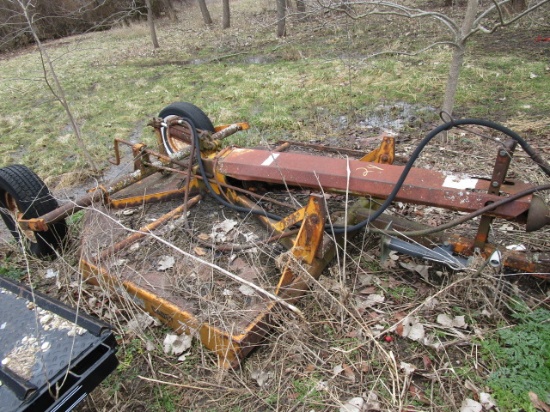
{"x": 372, "y": 401}
{"x": 448, "y": 322}
{"x": 311, "y": 367}
{"x": 427, "y": 362}
{"x": 422, "y": 270}
{"x": 220, "y": 230}
{"x": 150, "y": 346}
{"x": 371, "y": 300}
{"x": 247, "y": 290}
{"x": 354, "y": 405}
{"x": 469, "y": 405}
{"x": 337, "y": 370}
{"x": 250, "y": 237}
{"x": 199, "y": 251}
{"x": 244, "y": 269}
{"x": 537, "y": 403}
{"x": 486, "y": 400}
{"x": 365, "y": 279}
{"x": 518, "y": 248}
{"x": 431, "y": 303}
{"x": 507, "y": 227}
{"x": 398, "y": 317}
{"x": 204, "y": 237}
{"x": 165, "y": 263}
{"x": 348, "y": 372}
{"x": 444, "y": 320}
{"x": 407, "y": 368}
{"x": 364, "y": 366}
{"x": 368, "y": 290}
{"x": 261, "y": 377}
{"x": 389, "y": 263}
{"x": 399, "y": 329}
{"x": 140, "y": 322}
{"x": 413, "y": 329}
{"x": 177, "y": 344}
{"x": 50, "y": 273}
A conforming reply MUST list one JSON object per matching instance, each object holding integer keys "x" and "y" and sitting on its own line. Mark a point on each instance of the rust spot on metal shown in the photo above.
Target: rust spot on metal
{"x": 502, "y": 163}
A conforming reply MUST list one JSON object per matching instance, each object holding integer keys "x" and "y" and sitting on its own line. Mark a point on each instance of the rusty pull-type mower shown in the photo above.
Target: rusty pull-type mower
{"x": 191, "y": 162}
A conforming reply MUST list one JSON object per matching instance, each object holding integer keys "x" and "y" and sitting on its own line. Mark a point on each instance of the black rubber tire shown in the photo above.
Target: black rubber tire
{"x": 23, "y": 191}
{"x": 188, "y": 110}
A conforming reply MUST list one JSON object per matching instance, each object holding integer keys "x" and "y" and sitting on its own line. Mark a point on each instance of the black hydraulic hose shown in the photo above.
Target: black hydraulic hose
{"x": 465, "y": 218}
{"x": 446, "y": 126}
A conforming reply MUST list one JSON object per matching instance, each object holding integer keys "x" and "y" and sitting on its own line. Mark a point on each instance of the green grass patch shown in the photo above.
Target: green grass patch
{"x": 522, "y": 357}
{"x": 10, "y": 271}
{"x": 296, "y": 88}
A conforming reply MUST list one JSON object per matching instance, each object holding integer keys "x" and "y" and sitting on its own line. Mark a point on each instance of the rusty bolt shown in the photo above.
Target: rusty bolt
{"x": 503, "y": 153}
{"x": 495, "y": 184}
{"x": 314, "y": 219}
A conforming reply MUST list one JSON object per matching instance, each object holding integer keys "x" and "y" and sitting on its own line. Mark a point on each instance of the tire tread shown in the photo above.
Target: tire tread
{"x": 33, "y": 199}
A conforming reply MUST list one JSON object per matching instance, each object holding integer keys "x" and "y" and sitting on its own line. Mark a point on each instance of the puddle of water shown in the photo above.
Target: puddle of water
{"x": 258, "y": 59}
{"x": 396, "y": 117}
{"x": 249, "y": 60}
{"x": 196, "y": 62}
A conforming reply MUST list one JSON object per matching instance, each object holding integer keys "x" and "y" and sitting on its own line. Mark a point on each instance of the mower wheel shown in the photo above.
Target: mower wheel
{"x": 24, "y": 194}
{"x": 187, "y": 110}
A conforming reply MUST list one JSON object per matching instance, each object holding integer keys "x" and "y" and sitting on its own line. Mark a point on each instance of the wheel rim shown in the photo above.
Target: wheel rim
{"x": 13, "y": 210}
{"x": 171, "y": 144}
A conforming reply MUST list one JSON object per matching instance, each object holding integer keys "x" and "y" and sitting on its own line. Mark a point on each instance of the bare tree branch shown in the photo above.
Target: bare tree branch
{"x": 56, "y": 88}
{"x": 461, "y": 32}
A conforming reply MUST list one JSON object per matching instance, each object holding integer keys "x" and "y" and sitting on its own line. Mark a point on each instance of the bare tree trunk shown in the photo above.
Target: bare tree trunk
{"x": 226, "y": 22}
{"x": 515, "y": 6}
{"x": 301, "y": 6}
{"x": 151, "y": 22}
{"x": 519, "y": 5}
{"x": 205, "y": 13}
{"x": 170, "y": 10}
{"x": 55, "y": 87}
{"x": 458, "y": 56}
{"x": 281, "y": 18}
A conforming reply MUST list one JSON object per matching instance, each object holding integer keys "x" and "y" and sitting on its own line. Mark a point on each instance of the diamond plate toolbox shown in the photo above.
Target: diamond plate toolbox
{"x": 51, "y": 355}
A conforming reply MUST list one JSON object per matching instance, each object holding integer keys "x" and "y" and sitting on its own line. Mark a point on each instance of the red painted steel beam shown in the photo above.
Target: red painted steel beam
{"x": 422, "y": 186}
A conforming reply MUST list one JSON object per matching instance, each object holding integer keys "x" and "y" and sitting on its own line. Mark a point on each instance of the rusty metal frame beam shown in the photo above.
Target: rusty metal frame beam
{"x": 427, "y": 187}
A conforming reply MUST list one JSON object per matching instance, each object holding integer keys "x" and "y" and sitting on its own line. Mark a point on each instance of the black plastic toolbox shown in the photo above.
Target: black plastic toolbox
{"x": 51, "y": 355}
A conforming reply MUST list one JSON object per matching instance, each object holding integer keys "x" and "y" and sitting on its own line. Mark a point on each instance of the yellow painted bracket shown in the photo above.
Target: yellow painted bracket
{"x": 385, "y": 153}
{"x": 307, "y": 242}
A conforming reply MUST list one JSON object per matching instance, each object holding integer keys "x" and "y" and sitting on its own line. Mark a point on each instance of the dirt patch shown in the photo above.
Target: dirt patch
{"x": 530, "y": 43}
